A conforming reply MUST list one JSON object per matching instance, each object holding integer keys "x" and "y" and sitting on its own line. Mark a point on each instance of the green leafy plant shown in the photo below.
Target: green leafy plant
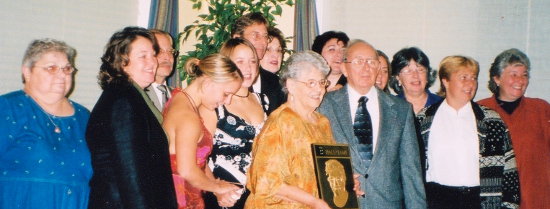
{"x": 214, "y": 28}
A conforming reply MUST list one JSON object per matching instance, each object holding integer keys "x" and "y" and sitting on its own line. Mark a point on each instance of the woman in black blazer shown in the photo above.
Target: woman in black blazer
{"x": 129, "y": 148}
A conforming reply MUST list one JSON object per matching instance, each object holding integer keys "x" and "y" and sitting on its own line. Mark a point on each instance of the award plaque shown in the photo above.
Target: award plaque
{"x": 334, "y": 175}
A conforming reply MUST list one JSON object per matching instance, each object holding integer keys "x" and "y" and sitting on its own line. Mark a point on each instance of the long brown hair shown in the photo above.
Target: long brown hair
{"x": 116, "y": 54}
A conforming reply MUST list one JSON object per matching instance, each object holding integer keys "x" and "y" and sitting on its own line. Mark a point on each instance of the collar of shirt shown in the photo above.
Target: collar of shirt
{"x": 257, "y": 86}
{"x": 465, "y": 110}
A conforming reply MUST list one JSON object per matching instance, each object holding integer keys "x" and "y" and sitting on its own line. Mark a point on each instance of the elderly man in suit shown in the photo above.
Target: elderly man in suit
{"x": 380, "y": 131}
{"x": 158, "y": 91}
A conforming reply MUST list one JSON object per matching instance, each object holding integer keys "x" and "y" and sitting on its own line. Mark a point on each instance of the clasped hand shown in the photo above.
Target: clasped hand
{"x": 228, "y": 193}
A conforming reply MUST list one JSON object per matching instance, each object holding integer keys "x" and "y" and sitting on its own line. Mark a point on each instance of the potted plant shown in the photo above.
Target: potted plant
{"x": 213, "y": 28}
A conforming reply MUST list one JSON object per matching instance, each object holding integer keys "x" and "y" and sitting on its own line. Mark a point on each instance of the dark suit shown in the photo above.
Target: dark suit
{"x": 130, "y": 156}
{"x": 272, "y": 88}
{"x": 394, "y": 179}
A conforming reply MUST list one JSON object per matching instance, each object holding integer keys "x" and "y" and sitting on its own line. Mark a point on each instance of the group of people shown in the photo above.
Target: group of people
{"x": 240, "y": 134}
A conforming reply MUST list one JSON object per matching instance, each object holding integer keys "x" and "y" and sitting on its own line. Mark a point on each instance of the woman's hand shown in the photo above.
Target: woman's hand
{"x": 227, "y": 193}
{"x": 357, "y": 186}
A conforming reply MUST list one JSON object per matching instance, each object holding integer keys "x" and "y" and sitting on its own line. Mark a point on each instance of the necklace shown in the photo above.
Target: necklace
{"x": 56, "y": 129}
{"x": 245, "y": 96}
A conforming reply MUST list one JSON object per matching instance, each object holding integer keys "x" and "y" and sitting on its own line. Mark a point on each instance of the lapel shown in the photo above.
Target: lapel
{"x": 149, "y": 103}
{"x": 387, "y": 121}
{"x": 153, "y": 96}
{"x": 343, "y": 118}
{"x": 343, "y": 113}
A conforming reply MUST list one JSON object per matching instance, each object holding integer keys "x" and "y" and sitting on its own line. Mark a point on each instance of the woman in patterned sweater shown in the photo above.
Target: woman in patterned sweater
{"x": 469, "y": 158}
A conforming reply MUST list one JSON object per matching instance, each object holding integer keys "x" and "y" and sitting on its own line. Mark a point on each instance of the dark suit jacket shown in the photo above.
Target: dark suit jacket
{"x": 394, "y": 178}
{"x": 130, "y": 156}
{"x": 272, "y": 88}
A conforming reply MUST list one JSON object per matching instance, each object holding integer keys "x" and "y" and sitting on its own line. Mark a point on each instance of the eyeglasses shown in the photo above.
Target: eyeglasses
{"x": 173, "y": 52}
{"x": 372, "y": 63}
{"x": 408, "y": 70}
{"x": 53, "y": 69}
{"x": 313, "y": 83}
{"x": 257, "y": 36}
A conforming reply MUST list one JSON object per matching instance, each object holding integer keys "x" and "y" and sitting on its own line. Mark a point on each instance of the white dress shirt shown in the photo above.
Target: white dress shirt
{"x": 453, "y": 147}
{"x": 257, "y": 86}
{"x": 372, "y": 107}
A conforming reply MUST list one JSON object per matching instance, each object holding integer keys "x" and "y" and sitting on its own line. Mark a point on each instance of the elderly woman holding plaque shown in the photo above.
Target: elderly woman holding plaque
{"x": 282, "y": 172}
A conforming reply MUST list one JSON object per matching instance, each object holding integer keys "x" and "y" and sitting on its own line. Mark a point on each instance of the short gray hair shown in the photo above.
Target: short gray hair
{"x": 39, "y": 47}
{"x": 503, "y": 60}
{"x": 297, "y": 62}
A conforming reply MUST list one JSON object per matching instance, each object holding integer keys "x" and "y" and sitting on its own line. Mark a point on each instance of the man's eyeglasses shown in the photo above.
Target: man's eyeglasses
{"x": 372, "y": 63}
{"x": 53, "y": 69}
{"x": 313, "y": 83}
{"x": 257, "y": 36}
{"x": 172, "y": 52}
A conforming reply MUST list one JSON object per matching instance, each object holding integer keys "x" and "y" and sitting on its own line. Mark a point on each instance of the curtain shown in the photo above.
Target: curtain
{"x": 163, "y": 15}
{"x": 305, "y": 25}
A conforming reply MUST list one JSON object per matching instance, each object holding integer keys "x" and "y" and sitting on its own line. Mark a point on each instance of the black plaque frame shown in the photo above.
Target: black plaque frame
{"x": 339, "y": 152}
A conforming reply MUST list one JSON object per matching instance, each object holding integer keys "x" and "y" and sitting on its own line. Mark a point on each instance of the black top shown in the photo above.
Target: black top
{"x": 272, "y": 88}
{"x": 509, "y": 107}
{"x": 130, "y": 156}
{"x": 342, "y": 80}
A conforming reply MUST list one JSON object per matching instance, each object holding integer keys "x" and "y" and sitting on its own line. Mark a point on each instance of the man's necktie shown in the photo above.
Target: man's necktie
{"x": 362, "y": 126}
{"x": 162, "y": 88}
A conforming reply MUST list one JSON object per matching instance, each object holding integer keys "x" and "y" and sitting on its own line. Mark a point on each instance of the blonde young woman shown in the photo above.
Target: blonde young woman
{"x": 217, "y": 79}
{"x": 235, "y": 125}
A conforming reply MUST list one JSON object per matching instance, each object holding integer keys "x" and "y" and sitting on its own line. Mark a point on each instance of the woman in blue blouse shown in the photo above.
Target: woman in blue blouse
{"x": 411, "y": 77}
{"x": 44, "y": 160}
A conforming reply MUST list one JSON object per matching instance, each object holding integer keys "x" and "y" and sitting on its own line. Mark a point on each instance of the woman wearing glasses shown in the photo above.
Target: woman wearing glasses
{"x": 282, "y": 173}
{"x": 412, "y": 76}
{"x": 44, "y": 160}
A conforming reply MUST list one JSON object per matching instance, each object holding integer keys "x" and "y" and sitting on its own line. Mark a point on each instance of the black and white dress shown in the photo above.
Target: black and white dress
{"x": 231, "y": 154}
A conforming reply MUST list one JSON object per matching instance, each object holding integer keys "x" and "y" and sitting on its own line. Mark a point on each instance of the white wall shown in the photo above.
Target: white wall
{"x": 85, "y": 25}
{"x": 479, "y": 29}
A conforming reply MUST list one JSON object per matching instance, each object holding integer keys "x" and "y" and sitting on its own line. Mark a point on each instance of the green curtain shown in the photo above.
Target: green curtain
{"x": 305, "y": 25}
